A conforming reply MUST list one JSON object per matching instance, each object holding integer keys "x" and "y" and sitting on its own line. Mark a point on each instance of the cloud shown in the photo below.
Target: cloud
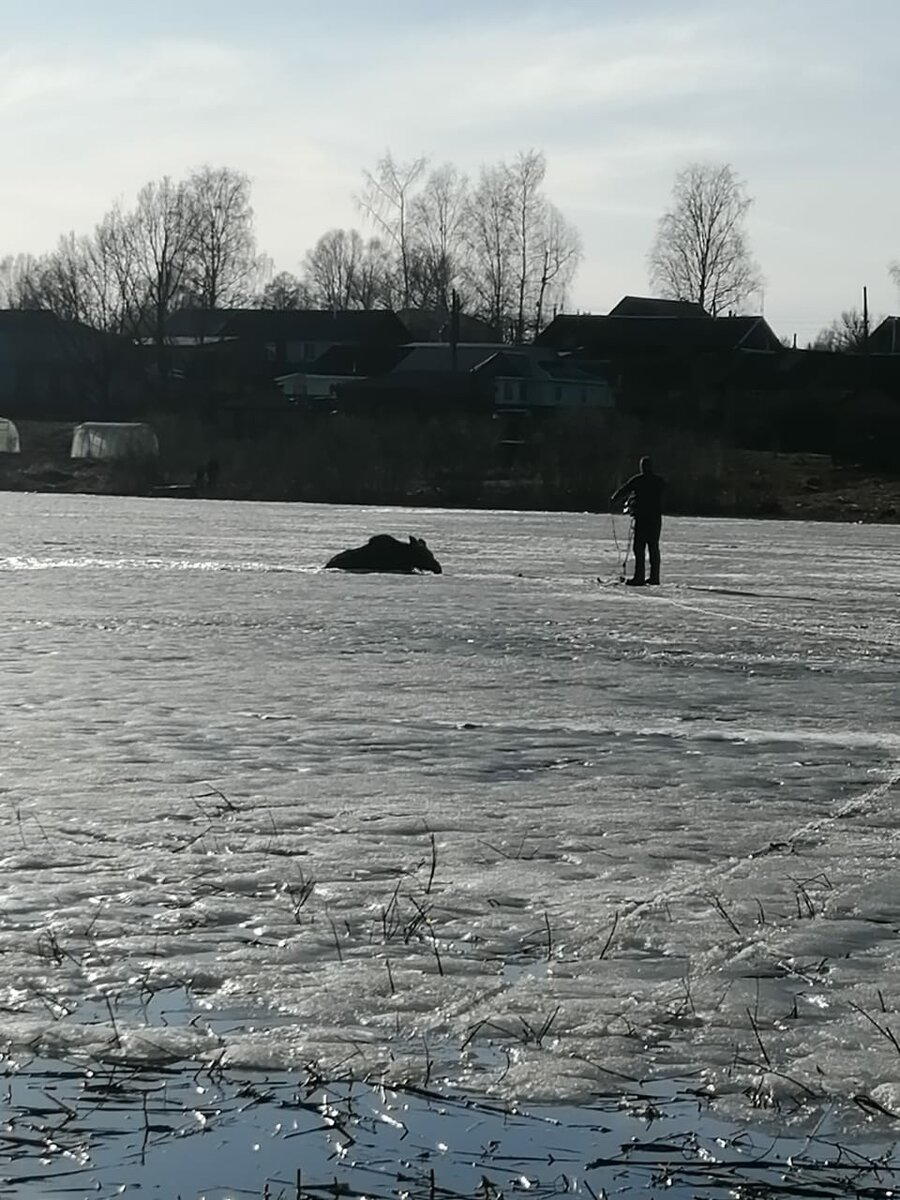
{"x": 535, "y": 67}
{"x": 30, "y": 87}
{"x": 618, "y": 97}
{"x": 88, "y": 132}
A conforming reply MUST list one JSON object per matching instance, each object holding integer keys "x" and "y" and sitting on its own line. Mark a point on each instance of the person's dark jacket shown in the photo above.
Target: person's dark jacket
{"x": 645, "y": 491}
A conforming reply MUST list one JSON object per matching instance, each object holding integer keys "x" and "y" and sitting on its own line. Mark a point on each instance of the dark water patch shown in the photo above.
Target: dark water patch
{"x": 176, "y": 1131}
{"x": 112, "y": 1126}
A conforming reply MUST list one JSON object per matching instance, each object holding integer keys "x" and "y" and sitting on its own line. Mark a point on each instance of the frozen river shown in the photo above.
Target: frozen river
{"x": 505, "y": 823}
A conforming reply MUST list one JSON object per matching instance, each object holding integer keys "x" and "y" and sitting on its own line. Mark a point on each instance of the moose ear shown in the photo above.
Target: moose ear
{"x": 412, "y": 540}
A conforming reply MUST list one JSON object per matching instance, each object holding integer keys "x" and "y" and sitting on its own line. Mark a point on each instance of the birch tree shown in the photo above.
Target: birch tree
{"x": 160, "y": 234}
{"x": 490, "y": 233}
{"x": 847, "y": 335}
{"x": 523, "y": 254}
{"x": 285, "y": 291}
{"x": 223, "y": 267}
{"x": 525, "y": 177}
{"x": 343, "y": 271}
{"x": 548, "y": 249}
{"x": 387, "y": 199}
{"x": 558, "y": 254}
{"x": 19, "y": 281}
{"x": 438, "y": 217}
{"x": 701, "y": 252}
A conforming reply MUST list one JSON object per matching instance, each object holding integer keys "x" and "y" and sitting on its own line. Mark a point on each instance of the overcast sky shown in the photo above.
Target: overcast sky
{"x": 802, "y": 97}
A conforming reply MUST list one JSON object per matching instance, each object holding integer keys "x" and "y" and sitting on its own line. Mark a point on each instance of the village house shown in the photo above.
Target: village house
{"x": 885, "y": 338}
{"x": 425, "y": 374}
{"x": 51, "y": 368}
{"x": 266, "y": 343}
{"x": 678, "y": 337}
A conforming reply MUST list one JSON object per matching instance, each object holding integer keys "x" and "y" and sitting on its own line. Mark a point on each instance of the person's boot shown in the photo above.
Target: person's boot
{"x": 653, "y": 581}
{"x": 635, "y": 582}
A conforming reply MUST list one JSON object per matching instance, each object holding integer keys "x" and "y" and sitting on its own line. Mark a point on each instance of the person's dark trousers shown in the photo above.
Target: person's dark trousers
{"x": 646, "y": 540}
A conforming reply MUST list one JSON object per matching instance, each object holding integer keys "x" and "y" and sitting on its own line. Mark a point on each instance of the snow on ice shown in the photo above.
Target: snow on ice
{"x": 508, "y": 823}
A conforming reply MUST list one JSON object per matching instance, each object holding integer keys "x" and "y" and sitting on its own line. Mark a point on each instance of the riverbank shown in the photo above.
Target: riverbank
{"x": 703, "y": 482}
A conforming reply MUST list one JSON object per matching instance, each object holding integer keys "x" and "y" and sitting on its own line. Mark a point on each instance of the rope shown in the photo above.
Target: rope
{"x": 624, "y": 568}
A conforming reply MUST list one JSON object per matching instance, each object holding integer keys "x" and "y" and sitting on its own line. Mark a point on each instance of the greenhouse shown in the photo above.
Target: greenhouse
{"x": 114, "y": 440}
{"x": 9, "y": 437}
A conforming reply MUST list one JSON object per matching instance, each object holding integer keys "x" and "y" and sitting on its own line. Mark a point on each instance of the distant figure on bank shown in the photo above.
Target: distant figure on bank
{"x": 386, "y": 553}
{"x": 207, "y": 475}
{"x": 643, "y": 499}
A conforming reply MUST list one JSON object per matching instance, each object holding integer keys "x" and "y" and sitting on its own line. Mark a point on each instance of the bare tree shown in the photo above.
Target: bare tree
{"x": 223, "y": 267}
{"x": 87, "y": 283}
{"x": 526, "y": 176}
{"x": 548, "y": 249}
{"x": 387, "y": 198}
{"x": 121, "y": 293}
{"x": 374, "y": 276}
{"x": 63, "y": 285}
{"x": 701, "y": 251}
{"x": 90, "y": 278}
{"x": 437, "y": 217}
{"x": 490, "y": 231}
{"x": 331, "y": 267}
{"x": 894, "y": 272}
{"x": 285, "y": 291}
{"x": 160, "y": 235}
{"x": 847, "y": 335}
{"x": 558, "y": 254}
{"x": 523, "y": 254}
{"x": 342, "y": 271}
{"x": 20, "y": 281}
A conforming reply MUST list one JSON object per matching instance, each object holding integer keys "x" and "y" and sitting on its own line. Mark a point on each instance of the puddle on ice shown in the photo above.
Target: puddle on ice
{"x": 115, "y": 1127}
{"x": 514, "y": 971}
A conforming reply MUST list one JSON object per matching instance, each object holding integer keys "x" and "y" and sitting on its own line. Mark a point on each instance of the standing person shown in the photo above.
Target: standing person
{"x": 644, "y": 502}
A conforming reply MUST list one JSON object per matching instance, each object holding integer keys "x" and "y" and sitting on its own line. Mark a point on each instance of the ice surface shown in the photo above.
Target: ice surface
{"x": 540, "y": 831}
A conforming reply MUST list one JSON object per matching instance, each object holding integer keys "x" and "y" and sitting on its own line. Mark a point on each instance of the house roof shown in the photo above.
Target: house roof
{"x": 14, "y": 319}
{"x": 276, "y": 325}
{"x": 431, "y": 363}
{"x": 427, "y": 357}
{"x": 31, "y": 324}
{"x": 433, "y": 325}
{"x": 39, "y": 320}
{"x": 604, "y": 336}
{"x": 533, "y": 363}
{"x": 652, "y": 306}
{"x": 363, "y": 360}
{"x": 194, "y": 324}
{"x": 885, "y": 338}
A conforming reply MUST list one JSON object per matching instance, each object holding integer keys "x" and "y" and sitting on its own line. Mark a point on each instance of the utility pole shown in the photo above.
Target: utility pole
{"x": 865, "y": 320}
{"x": 454, "y": 329}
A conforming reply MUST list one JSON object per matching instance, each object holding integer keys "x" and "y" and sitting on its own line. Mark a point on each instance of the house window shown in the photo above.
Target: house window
{"x": 271, "y": 351}
{"x": 302, "y": 351}
{"x": 508, "y": 391}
